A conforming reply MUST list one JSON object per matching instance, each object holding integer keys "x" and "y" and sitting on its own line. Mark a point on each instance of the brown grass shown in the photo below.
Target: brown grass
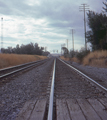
{"x": 63, "y": 58}
{"x": 74, "y": 59}
{"x": 7, "y": 60}
{"x": 96, "y": 58}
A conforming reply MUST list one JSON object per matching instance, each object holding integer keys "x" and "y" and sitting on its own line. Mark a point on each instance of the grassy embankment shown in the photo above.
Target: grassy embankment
{"x": 96, "y": 58}
{"x": 7, "y": 60}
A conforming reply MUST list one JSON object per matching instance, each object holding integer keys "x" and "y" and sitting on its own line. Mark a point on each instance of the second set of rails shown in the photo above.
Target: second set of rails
{"x": 12, "y": 70}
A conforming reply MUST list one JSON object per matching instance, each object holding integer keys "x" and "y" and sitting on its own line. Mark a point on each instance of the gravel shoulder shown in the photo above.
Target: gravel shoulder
{"x": 27, "y": 86}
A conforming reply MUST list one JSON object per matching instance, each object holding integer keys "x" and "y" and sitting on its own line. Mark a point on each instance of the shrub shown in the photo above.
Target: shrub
{"x": 82, "y": 53}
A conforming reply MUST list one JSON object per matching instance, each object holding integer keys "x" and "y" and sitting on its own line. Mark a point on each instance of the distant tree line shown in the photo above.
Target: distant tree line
{"x": 32, "y": 49}
{"x": 97, "y": 35}
{"x": 78, "y": 54}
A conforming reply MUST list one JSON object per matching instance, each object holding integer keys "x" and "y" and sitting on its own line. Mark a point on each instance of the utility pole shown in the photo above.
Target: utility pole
{"x": 67, "y": 45}
{"x": 45, "y": 49}
{"x": 84, "y": 7}
{"x": 62, "y": 45}
{"x": 72, "y": 32}
{"x": 61, "y": 49}
{"x": 1, "y": 34}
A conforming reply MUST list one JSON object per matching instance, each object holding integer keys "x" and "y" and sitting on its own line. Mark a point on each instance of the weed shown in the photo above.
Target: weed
{"x": 7, "y": 60}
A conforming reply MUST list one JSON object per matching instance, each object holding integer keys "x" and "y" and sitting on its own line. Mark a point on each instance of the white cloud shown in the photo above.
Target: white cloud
{"x": 33, "y": 2}
{"x": 43, "y": 21}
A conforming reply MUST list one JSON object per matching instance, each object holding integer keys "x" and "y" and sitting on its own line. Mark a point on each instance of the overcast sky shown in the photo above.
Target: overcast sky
{"x": 46, "y": 22}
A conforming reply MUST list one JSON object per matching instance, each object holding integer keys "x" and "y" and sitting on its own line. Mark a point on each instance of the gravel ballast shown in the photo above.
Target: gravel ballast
{"x": 23, "y": 88}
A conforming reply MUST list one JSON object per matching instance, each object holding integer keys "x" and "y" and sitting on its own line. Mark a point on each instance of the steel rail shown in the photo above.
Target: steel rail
{"x": 10, "y": 73}
{"x": 85, "y": 76}
{"x": 21, "y": 65}
{"x": 50, "y": 110}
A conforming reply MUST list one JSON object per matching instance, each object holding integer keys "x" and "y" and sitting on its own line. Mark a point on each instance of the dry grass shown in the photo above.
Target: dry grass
{"x": 7, "y": 60}
{"x": 74, "y": 59}
{"x": 96, "y": 58}
{"x": 63, "y": 58}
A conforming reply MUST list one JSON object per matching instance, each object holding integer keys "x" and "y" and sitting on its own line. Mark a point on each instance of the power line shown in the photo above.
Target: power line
{"x": 84, "y": 8}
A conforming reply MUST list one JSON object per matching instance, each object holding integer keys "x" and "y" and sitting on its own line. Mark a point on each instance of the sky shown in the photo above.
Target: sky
{"x": 46, "y": 22}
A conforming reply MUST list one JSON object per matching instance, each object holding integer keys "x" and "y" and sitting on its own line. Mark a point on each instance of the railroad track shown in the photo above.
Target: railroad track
{"x": 69, "y": 95}
{"x": 73, "y": 95}
{"x": 15, "y": 69}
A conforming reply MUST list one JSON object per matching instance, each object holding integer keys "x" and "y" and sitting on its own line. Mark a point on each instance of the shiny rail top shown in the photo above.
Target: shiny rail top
{"x": 50, "y": 110}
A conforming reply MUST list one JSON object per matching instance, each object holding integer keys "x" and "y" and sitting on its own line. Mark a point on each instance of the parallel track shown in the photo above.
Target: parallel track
{"x": 12, "y": 70}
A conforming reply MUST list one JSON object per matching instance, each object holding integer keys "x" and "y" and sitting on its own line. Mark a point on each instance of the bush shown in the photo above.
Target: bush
{"x": 82, "y": 53}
